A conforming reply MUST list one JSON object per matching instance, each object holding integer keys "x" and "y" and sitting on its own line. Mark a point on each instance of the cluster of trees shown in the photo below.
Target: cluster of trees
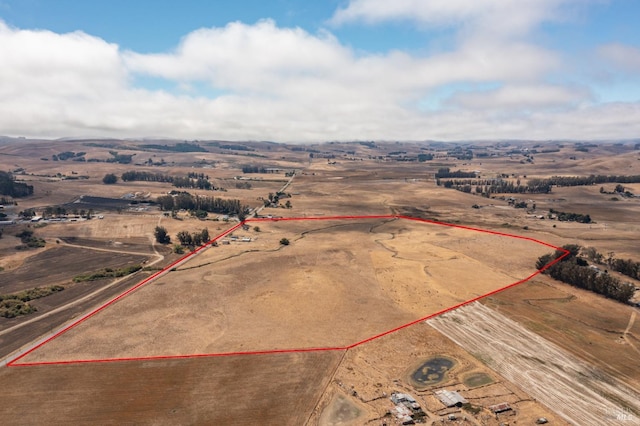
{"x": 120, "y": 158}
{"x": 570, "y": 217}
{"x": 273, "y": 199}
{"x": 445, "y": 172}
{"x": 193, "y": 239}
{"x": 29, "y": 240}
{"x": 109, "y": 179}
{"x": 425, "y": 157}
{"x": 66, "y": 155}
{"x": 253, "y": 169}
{"x": 575, "y": 271}
{"x": 8, "y": 186}
{"x": 243, "y": 185}
{"x": 192, "y": 203}
{"x": 618, "y": 190}
{"x": 627, "y": 267}
{"x": 187, "y": 182}
{"x": 461, "y": 154}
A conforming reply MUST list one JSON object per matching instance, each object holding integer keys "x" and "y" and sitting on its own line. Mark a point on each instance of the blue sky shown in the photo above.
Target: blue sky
{"x": 296, "y": 70}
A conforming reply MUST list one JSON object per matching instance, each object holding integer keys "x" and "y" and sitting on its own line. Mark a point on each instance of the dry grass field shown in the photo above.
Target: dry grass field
{"x": 367, "y": 276}
{"x": 337, "y": 283}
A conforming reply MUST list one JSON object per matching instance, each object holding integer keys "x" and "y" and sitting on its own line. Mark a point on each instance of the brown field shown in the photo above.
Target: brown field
{"x": 337, "y": 283}
{"x": 364, "y": 278}
{"x": 279, "y": 389}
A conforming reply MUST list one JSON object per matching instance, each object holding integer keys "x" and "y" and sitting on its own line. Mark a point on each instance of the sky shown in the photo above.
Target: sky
{"x": 323, "y": 70}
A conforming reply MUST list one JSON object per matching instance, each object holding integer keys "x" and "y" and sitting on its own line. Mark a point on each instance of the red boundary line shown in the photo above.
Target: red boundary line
{"x": 13, "y": 362}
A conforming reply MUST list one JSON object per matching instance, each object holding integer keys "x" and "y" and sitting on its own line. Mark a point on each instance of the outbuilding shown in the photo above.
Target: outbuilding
{"x": 450, "y": 398}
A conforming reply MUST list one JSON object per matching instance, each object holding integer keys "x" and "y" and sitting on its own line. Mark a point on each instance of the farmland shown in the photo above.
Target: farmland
{"x": 337, "y": 283}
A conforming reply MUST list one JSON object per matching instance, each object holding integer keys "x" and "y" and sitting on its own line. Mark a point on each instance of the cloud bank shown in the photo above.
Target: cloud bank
{"x": 265, "y": 82}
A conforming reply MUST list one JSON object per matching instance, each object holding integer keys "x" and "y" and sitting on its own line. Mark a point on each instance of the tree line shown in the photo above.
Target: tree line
{"x": 192, "y": 180}
{"x": 570, "y": 217}
{"x": 254, "y": 169}
{"x": 460, "y": 181}
{"x": 591, "y": 180}
{"x": 135, "y": 175}
{"x": 445, "y": 172}
{"x": 486, "y": 187}
{"x": 575, "y": 271}
{"x": 178, "y": 147}
{"x": 195, "y": 203}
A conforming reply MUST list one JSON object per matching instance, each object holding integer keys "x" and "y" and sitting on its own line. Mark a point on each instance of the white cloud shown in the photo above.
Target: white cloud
{"x": 71, "y": 65}
{"x": 290, "y": 85}
{"x": 621, "y": 56}
{"x": 521, "y": 98}
{"x": 489, "y": 17}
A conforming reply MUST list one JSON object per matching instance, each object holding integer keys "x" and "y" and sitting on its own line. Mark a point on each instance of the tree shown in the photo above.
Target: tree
{"x": 27, "y": 214}
{"x": 185, "y": 238}
{"x": 109, "y": 179}
{"x": 256, "y": 228}
{"x": 161, "y": 235}
{"x": 284, "y": 242}
{"x": 288, "y": 204}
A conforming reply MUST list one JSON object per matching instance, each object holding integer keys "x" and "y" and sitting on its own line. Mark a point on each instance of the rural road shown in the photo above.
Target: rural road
{"x": 258, "y": 209}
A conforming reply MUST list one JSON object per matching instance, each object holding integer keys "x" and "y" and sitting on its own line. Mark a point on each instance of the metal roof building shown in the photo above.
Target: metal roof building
{"x": 450, "y": 398}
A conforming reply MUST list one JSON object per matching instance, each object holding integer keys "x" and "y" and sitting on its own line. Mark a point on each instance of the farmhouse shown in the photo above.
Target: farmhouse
{"x": 407, "y": 409}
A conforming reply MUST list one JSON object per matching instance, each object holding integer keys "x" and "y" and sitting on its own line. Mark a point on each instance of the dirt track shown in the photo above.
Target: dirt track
{"x": 577, "y": 392}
